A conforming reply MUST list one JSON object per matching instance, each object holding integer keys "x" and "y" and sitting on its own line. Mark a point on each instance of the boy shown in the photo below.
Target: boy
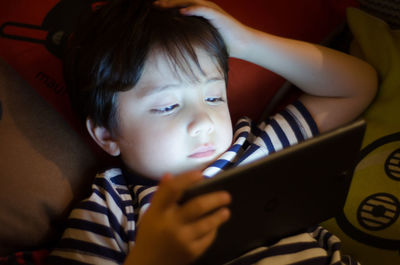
{"x": 150, "y": 81}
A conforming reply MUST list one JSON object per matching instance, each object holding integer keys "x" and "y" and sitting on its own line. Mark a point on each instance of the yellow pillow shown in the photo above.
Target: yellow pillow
{"x": 369, "y": 226}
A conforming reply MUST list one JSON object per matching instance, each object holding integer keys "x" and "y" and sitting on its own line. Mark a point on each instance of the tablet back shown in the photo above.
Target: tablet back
{"x": 284, "y": 193}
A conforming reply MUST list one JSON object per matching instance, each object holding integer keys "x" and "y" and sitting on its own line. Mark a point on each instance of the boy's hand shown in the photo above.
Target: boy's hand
{"x": 232, "y": 31}
{"x": 170, "y": 233}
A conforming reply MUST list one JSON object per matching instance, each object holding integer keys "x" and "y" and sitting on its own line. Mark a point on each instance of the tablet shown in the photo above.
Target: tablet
{"x": 283, "y": 193}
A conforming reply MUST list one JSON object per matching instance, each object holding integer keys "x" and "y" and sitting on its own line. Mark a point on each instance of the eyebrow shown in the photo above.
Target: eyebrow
{"x": 153, "y": 90}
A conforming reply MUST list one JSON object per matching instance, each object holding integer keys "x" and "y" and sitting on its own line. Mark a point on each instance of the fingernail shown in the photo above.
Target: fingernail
{"x": 226, "y": 214}
{"x": 226, "y": 197}
{"x": 166, "y": 177}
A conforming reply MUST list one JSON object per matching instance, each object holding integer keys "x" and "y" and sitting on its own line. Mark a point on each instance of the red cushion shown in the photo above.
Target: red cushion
{"x": 30, "y": 30}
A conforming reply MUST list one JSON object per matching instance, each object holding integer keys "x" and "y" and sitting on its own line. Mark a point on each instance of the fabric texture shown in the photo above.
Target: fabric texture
{"x": 389, "y": 10}
{"x": 35, "y": 257}
{"x": 370, "y": 225}
{"x": 101, "y": 230}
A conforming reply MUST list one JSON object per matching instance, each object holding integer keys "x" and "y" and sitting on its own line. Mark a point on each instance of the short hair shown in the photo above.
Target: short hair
{"x": 107, "y": 53}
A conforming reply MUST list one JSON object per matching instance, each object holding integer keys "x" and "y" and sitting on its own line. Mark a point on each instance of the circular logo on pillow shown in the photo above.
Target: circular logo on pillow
{"x": 378, "y": 211}
{"x": 392, "y": 165}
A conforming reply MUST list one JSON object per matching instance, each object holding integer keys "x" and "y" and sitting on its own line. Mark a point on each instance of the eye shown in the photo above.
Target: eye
{"x": 165, "y": 110}
{"x": 215, "y": 100}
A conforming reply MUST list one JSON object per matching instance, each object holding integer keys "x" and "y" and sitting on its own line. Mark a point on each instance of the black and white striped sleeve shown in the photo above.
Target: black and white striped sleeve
{"x": 101, "y": 229}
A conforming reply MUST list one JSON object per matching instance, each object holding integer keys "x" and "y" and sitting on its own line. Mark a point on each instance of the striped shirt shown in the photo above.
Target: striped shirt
{"x": 101, "y": 229}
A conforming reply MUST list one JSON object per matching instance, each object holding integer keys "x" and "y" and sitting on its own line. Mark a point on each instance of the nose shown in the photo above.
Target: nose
{"x": 201, "y": 123}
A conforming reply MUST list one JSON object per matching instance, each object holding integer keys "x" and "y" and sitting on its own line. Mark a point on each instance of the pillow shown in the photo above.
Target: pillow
{"x": 388, "y": 10}
{"x": 369, "y": 226}
{"x": 44, "y": 162}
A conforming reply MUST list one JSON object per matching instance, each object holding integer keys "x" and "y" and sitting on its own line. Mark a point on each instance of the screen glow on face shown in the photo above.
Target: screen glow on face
{"x": 170, "y": 123}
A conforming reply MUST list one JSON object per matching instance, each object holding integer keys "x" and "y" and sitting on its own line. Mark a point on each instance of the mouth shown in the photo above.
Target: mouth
{"x": 203, "y": 151}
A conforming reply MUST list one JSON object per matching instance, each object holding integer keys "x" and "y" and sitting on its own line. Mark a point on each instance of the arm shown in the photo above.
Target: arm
{"x": 337, "y": 87}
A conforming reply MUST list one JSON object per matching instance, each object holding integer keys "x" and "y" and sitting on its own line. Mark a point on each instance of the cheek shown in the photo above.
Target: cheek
{"x": 163, "y": 144}
{"x": 147, "y": 153}
{"x": 227, "y": 136}
{"x": 156, "y": 142}
{"x": 225, "y": 126}
{"x": 161, "y": 151}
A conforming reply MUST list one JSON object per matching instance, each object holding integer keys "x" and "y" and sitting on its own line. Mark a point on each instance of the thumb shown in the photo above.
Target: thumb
{"x": 211, "y": 13}
{"x": 171, "y": 188}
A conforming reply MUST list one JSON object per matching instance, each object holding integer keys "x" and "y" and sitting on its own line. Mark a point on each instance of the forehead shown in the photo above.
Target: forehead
{"x": 161, "y": 68}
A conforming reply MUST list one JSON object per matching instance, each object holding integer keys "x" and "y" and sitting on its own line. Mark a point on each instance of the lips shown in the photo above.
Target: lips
{"x": 203, "y": 151}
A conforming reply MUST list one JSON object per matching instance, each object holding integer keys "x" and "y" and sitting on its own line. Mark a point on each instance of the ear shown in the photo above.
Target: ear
{"x": 103, "y": 138}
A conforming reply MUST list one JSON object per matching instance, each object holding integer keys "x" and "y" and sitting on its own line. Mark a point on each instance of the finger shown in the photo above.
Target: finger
{"x": 177, "y": 3}
{"x": 171, "y": 188}
{"x": 191, "y": 7}
{"x": 206, "y": 9}
{"x": 161, "y": 195}
{"x": 207, "y": 224}
{"x": 200, "y": 245}
{"x": 200, "y": 11}
{"x": 201, "y": 205}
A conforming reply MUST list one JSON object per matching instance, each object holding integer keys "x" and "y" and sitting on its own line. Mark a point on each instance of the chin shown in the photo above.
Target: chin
{"x": 206, "y": 164}
{"x": 199, "y": 166}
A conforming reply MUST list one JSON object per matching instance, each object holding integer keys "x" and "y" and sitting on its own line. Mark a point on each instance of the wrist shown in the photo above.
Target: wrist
{"x": 242, "y": 48}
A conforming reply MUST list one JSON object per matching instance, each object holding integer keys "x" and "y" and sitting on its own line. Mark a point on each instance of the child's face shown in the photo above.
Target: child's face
{"x": 169, "y": 123}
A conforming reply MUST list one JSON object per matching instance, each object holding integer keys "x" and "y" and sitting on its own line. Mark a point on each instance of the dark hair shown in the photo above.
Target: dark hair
{"x": 107, "y": 53}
